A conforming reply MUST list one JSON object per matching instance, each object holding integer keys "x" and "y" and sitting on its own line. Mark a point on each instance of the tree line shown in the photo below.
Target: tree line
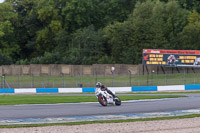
{"x": 94, "y": 31}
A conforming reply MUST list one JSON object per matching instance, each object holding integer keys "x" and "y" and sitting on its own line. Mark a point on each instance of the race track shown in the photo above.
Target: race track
{"x": 92, "y": 109}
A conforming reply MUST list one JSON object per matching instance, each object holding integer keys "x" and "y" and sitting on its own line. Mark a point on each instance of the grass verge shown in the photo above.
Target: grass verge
{"x": 96, "y": 122}
{"x": 90, "y": 81}
{"x": 46, "y": 99}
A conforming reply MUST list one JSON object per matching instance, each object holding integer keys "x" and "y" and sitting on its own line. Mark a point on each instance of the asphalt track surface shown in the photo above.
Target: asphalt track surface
{"x": 93, "y": 109}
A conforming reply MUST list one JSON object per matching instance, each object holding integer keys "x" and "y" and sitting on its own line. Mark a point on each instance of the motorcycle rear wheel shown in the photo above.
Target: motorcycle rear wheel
{"x": 117, "y": 102}
{"x": 102, "y": 100}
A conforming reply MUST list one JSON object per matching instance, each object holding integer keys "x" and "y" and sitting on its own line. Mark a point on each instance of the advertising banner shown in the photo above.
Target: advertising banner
{"x": 176, "y": 58}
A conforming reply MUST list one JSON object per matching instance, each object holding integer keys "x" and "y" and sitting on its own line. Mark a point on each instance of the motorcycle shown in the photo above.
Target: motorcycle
{"x": 105, "y": 98}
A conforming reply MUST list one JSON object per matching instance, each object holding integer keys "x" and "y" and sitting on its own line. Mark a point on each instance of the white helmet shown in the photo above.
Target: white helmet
{"x": 98, "y": 84}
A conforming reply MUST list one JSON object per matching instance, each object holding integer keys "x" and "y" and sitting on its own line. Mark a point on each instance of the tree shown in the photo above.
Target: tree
{"x": 62, "y": 40}
{"x": 82, "y": 13}
{"x": 176, "y": 20}
{"x": 189, "y": 38}
{"x": 5, "y": 60}
{"x": 37, "y": 25}
{"x": 86, "y": 46}
{"x": 48, "y": 58}
{"x": 25, "y": 26}
{"x": 152, "y": 25}
{"x": 141, "y": 22}
{"x": 158, "y": 27}
{"x": 49, "y": 15}
{"x": 8, "y": 45}
{"x": 118, "y": 41}
{"x": 118, "y": 10}
{"x": 95, "y": 31}
{"x": 190, "y": 5}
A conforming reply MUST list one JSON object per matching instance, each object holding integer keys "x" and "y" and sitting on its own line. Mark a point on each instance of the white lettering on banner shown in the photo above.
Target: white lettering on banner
{"x": 155, "y": 51}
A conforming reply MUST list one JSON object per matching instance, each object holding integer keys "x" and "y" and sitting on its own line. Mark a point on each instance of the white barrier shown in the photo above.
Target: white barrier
{"x": 171, "y": 88}
{"x": 69, "y": 90}
{"x": 92, "y": 90}
{"x": 120, "y": 89}
{"x": 25, "y": 90}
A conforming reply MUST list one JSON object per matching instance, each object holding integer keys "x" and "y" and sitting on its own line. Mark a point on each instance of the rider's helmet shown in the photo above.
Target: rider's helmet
{"x": 98, "y": 84}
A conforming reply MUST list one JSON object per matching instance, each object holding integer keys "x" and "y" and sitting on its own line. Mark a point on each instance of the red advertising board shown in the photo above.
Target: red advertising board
{"x": 186, "y": 58}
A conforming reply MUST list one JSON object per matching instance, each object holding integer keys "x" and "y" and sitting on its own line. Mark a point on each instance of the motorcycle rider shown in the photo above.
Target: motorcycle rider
{"x": 103, "y": 88}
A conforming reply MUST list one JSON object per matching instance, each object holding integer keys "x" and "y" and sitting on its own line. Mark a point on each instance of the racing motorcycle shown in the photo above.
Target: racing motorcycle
{"x": 105, "y": 98}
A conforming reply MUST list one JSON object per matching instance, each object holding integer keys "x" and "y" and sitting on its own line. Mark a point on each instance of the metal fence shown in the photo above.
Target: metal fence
{"x": 152, "y": 79}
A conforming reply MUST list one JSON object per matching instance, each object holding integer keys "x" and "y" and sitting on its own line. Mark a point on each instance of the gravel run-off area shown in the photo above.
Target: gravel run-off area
{"x": 189, "y": 125}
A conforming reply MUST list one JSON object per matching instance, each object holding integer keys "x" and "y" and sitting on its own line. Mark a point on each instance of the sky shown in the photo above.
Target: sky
{"x": 1, "y": 1}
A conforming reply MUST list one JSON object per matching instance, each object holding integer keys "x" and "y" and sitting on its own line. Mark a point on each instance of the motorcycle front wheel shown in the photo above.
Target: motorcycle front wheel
{"x": 102, "y": 100}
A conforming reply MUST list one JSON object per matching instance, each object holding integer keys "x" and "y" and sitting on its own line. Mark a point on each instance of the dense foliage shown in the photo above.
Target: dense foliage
{"x": 94, "y": 31}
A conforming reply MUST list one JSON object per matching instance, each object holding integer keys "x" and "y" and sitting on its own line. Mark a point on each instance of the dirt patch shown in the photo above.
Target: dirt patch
{"x": 190, "y": 125}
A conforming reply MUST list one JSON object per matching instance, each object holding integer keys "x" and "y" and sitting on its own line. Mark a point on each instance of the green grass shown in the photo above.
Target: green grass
{"x": 118, "y": 81}
{"x": 46, "y": 99}
{"x": 94, "y": 122}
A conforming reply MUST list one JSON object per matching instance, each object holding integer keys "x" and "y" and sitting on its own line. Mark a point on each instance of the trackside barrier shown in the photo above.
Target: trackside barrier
{"x": 7, "y": 91}
{"x": 91, "y": 90}
{"x": 145, "y": 88}
{"x": 192, "y": 87}
{"x": 120, "y": 89}
{"x": 88, "y": 90}
{"x": 27, "y": 90}
{"x": 46, "y": 90}
{"x": 70, "y": 90}
{"x": 171, "y": 88}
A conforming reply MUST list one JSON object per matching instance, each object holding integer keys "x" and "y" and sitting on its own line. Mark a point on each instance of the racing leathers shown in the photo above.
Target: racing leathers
{"x": 109, "y": 91}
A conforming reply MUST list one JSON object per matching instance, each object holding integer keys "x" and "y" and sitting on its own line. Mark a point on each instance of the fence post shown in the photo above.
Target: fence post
{"x": 184, "y": 76}
{"x": 32, "y": 81}
{"x": 147, "y": 78}
{"x": 79, "y": 77}
{"x": 165, "y": 78}
{"x": 1, "y": 82}
{"x": 4, "y": 76}
{"x": 112, "y": 77}
{"x": 63, "y": 80}
{"x": 18, "y": 81}
{"x": 112, "y": 71}
{"x": 47, "y": 81}
{"x": 130, "y": 76}
{"x": 95, "y": 76}
{"x": 152, "y": 72}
